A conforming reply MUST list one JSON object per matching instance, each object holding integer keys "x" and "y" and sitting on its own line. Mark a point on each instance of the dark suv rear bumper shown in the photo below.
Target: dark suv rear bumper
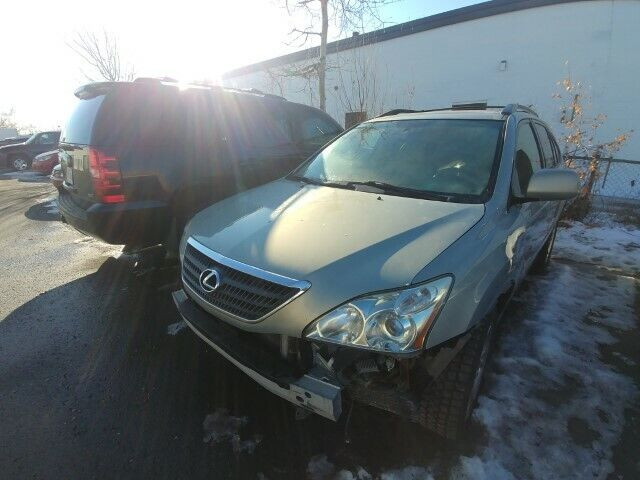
{"x": 139, "y": 223}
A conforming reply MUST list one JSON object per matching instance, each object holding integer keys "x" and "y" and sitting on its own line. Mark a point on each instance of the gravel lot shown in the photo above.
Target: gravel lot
{"x": 99, "y": 379}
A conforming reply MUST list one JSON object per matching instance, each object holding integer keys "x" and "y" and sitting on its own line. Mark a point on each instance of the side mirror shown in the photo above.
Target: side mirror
{"x": 553, "y": 184}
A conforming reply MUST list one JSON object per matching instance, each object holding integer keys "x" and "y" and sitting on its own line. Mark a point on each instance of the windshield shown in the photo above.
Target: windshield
{"x": 451, "y": 158}
{"x": 32, "y": 138}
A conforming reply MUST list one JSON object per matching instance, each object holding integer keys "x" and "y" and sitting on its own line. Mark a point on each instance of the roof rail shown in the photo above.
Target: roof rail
{"x": 398, "y": 111}
{"x": 512, "y": 108}
{"x": 469, "y": 106}
{"x": 156, "y": 79}
{"x": 255, "y": 91}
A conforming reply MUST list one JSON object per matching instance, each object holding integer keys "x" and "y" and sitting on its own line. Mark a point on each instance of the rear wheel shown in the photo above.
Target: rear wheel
{"x": 20, "y": 163}
{"x": 448, "y": 402}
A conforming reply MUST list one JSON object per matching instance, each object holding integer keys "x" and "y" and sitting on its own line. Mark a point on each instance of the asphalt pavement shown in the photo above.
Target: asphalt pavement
{"x": 99, "y": 379}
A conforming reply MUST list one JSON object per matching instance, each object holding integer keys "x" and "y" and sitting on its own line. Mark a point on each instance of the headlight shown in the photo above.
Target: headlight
{"x": 393, "y": 322}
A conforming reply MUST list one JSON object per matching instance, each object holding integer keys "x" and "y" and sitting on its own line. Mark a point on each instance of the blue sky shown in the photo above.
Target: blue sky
{"x": 411, "y": 9}
{"x": 188, "y": 40}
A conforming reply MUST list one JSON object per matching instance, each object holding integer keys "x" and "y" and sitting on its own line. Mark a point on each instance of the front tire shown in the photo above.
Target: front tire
{"x": 447, "y": 403}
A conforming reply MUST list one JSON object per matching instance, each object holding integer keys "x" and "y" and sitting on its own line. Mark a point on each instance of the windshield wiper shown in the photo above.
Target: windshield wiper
{"x": 405, "y": 191}
{"x": 380, "y": 187}
{"x": 324, "y": 183}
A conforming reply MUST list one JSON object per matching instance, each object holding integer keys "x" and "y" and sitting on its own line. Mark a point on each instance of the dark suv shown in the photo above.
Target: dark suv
{"x": 20, "y": 155}
{"x": 140, "y": 158}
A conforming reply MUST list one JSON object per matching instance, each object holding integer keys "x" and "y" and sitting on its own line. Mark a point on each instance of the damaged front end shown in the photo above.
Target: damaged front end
{"x": 389, "y": 382}
{"x": 319, "y": 376}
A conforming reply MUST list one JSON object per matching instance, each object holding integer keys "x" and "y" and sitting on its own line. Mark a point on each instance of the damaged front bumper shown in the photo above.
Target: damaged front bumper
{"x": 307, "y": 390}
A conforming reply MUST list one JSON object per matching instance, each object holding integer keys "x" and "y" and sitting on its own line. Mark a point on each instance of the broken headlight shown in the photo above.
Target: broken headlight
{"x": 394, "y": 322}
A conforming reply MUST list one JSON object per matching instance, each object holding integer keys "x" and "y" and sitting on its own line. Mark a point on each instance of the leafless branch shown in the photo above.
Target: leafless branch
{"x": 102, "y": 55}
{"x": 346, "y": 15}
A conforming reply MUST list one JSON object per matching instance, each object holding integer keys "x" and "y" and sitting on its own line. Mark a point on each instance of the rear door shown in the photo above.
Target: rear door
{"x": 133, "y": 129}
{"x": 260, "y": 137}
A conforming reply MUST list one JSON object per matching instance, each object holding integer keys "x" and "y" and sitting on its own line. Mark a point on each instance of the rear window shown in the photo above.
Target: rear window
{"x": 80, "y": 124}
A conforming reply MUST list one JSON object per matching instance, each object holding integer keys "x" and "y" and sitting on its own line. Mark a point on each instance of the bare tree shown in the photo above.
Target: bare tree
{"x": 7, "y": 119}
{"x": 360, "y": 89}
{"x": 583, "y": 149}
{"x": 347, "y": 15}
{"x": 101, "y": 54}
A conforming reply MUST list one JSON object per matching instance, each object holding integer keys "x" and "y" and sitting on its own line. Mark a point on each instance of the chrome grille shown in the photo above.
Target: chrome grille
{"x": 240, "y": 293}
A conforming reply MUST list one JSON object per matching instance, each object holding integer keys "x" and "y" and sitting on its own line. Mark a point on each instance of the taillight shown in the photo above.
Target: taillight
{"x": 106, "y": 177}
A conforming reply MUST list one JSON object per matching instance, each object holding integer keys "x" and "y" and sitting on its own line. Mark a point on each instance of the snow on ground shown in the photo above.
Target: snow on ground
{"x": 608, "y": 243}
{"x": 551, "y": 407}
{"x": 175, "y": 328}
{"x": 221, "y": 427}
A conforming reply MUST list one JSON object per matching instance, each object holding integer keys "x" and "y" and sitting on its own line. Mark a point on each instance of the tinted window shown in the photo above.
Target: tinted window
{"x": 252, "y": 123}
{"x": 453, "y": 157}
{"x": 47, "y": 138}
{"x": 527, "y": 159}
{"x": 545, "y": 144}
{"x": 317, "y": 129}
{"x": 80, "y": 123}
{"x": 136, "y": 119}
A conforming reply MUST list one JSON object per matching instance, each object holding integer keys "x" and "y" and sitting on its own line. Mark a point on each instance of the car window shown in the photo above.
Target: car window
{"x": 527, "y": 159}
{"x": 254, "y": 123}
{"x": 47, "y": 138}
{"x": 451, "y": 157}
{"x": 80, "y": 123}
{"x": 316, "y": 129}
{"x": 545, "y": 145}
{"x": 556, "y": 150}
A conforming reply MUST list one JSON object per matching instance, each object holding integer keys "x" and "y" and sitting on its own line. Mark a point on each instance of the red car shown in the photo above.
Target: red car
{"x": 45, "y": 162}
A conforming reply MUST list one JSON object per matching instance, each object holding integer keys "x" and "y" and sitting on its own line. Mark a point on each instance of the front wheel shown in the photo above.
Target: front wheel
{"x": 447, "y": 403}
{"x": 20, "y": 163}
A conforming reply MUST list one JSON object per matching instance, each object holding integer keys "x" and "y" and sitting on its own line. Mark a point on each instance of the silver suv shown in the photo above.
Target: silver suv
{"x": 377, "y": 270}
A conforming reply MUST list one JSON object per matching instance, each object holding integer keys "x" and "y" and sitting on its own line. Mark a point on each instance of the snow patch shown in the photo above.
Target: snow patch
{"x": 550, "y": 377}
{"x": 221, "y": 427}
{"x": 607, "y": 243}
{"x": 320, "y": 468}
{"x": 175, "y": 328}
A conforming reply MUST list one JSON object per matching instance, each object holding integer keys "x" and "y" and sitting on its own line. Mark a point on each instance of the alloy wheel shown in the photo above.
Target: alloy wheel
{"x": 20, "y": 164}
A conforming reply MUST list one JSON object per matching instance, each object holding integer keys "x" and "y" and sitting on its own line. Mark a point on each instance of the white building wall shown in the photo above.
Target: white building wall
{"x": 594, "y": 42}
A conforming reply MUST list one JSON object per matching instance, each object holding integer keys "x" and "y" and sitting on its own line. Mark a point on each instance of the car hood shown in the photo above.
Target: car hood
{"x": 351, "y": 242}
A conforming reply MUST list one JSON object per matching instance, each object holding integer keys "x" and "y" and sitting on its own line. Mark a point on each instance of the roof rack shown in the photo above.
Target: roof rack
{"x": 512, "y": 108}
{"x": 255, "y": 91}
{"x": 398, "y": 111}
{"x": 469, "y": 106}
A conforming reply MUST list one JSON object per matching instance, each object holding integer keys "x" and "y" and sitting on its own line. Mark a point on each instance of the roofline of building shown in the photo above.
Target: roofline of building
{"x": 452, "y": 17}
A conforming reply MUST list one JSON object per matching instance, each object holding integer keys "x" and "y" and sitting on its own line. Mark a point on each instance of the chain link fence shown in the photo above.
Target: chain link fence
{"x": 616, "y": 188}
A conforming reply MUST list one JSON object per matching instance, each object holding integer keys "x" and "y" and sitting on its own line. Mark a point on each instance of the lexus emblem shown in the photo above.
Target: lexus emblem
{"x": 210, "y": 280}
